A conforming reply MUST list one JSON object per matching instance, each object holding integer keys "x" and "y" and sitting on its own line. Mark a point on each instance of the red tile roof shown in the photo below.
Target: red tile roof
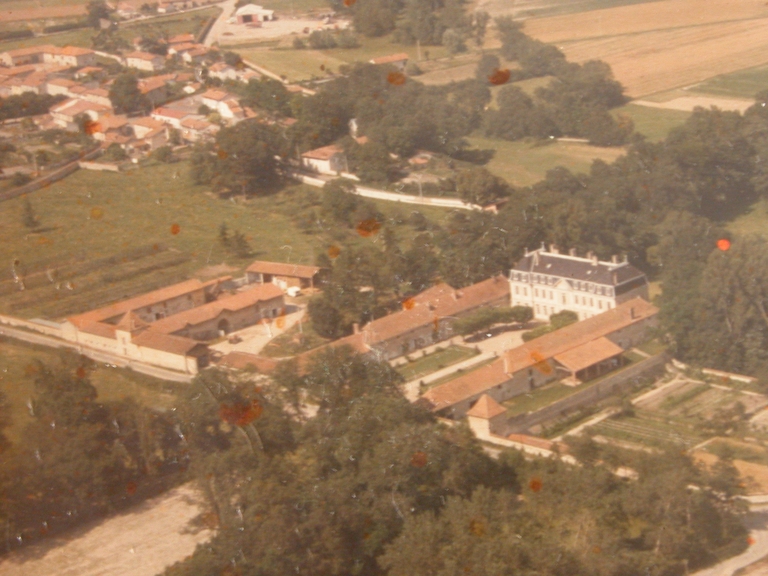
{"x": 167, "y": 342}
{"x": 486, "y": 407}
{"x": 390, "y": 59}
{"x": 588, "y": 354}
{"x": 324, "y": 153}
{"x": 212, "y": 310}
{"x": 154, "y": 297}
{"x": 283, "y": 269}
{"x": 466, "y": 386}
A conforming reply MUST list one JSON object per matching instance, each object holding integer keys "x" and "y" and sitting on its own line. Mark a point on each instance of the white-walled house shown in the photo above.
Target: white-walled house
{"x": 550, "y": 282}
{"x": 144, "y": 61}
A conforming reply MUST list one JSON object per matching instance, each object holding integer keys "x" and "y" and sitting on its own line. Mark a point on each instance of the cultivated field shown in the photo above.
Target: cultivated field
{"x": 661, "y": 45}
{"x": 104, "y": 236}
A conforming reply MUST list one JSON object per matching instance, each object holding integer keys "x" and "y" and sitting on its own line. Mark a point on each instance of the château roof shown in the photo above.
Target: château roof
{"x": 578, "y": 268}
{"x": 486, "y": 407}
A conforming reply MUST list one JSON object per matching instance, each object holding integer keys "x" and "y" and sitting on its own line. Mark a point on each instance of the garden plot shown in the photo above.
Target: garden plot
{"x": 647, "y": 430}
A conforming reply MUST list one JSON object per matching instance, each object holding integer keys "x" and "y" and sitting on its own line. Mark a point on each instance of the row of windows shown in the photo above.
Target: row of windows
{"x": 551, "y": 280}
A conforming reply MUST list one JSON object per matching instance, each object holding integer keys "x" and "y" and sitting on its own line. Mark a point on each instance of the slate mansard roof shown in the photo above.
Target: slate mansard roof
{"x": 579, "y": 269}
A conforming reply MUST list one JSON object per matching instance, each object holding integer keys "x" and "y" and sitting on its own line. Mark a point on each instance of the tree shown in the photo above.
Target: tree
{"x": 563, "y": 319}
{"x": 126, "y": 96}
{"x": 453, "y": 41}
{"x": 163, "y": 154}
{"x": 375, "y": 18}
{"x": 370, "y": 161}
{"x": 29, "y": 217}
{"x": 326, "y": 318}
{"x": 224, "y": 238}
{"x": 115, "y": 153}
{"x": 245, "y": 161}
{"x": 486, "y": 66}
{"x": 240, "y": 245}
{"x": 479, "y": 186}
{"x": 267, "y": 94}
{"x": 97, "y": 11}
{"x": 480, "y": 26}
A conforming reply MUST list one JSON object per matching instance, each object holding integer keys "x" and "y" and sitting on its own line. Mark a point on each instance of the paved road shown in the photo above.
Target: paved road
{"x": 757, "y": 522}
{"x": 228, "y": 8}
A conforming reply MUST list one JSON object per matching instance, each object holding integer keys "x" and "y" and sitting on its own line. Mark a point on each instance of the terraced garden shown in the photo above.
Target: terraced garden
{"x": 649, "y": 430}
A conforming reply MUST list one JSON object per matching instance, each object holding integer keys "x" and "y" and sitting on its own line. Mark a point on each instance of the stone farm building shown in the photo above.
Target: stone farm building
{"x": 165, "y": 327}
{"x": 283, "y": 275}
{"x": 144, "y": 61}
{"x": 425, "y": 319}
{"x": 329, "y": 160}
{"x": 576, "y": 353}
{"x": 253, "y": 13}
{"x": 550, "y": 282}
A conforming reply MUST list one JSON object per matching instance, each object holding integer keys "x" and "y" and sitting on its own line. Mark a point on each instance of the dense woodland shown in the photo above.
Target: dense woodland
{"x": 373, "y": 485}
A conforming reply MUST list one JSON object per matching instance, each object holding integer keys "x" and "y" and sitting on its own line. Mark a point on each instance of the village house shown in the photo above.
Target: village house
{"x": 226, "y": 105}
{"x": 550, "y": 282}
{"x": 97, "y": 95}
{"x": 198, "y": 129}
{"x": 251, "y": 13}
{"x": 113, "y": 129}
{"x": 69, "y": 56}
{"x": 126, "y": 11}
{"x": 399, "y": 61}
{"x": 283, "y": 275}
{"x": 195, "y": 56}
{"x": 144, "y": 61}
{"x": 89, "y": 72}
{"x": 574, "y": 354}
{"x": 60, "y": 86}
{"x": 150, "y": 133}
{"x": 222, "y": 71}
{"x": 329, "y": 160}
{"x": 36, "y": 83}
{"x": 171, "y": 116}
{"x": 181, "y": 39}
{"x": 154, "y": 88}
{"x": 65, "y": 114}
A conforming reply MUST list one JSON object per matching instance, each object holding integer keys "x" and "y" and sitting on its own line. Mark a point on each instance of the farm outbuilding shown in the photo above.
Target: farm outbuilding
{"x": 253, "y": 13}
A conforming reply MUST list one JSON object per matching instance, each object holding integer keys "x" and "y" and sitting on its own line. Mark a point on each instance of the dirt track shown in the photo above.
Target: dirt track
{"x": 140, "y": 542}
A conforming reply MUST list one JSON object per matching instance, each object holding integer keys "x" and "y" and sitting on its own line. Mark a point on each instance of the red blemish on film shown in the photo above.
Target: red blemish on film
{"x": 349, "y": 3}
{"x": 222, "y": 154}
{"x": 541, "y": 363}
{"x": 535, "y": 484}
{"x": 334, "y": 251}
{"x": 724, "y": 244}
{"x": 91, "y": 127}
{"x": 499, "y": 77}
{"x": 368, "y": 227}
{"x": 477, "y": 527}
{"x": 175, "y": 229}
{"x": 96, "y": 213}
{"x": 409, "y": 303}
{"x": 240, "y": 413}
{"x": 280, "y": 322}
{"x": 396, "y": 78}
{"x": 130, "y": 488}
{"x": 80, "y": 372}
{"x": 419, "y": 459}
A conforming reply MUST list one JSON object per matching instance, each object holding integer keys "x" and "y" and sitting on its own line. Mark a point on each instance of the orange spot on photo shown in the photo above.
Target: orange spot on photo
{"x": 499, "y": 77}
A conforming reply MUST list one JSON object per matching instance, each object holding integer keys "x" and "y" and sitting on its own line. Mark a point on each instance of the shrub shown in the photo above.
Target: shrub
{"x": 299, "y": 44}
{"x": 20, "y": 178}
{"x": 322, "y": 40}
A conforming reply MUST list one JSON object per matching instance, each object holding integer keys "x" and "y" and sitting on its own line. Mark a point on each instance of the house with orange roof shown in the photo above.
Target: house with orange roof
{"x": 66, "y": 114}
{"x": 23, "y": 56}
{"x": 198, "y": 129}
{"x": 89, "y": 71}
{"x": 150, "y": 133}
{"x": 283, "y": 275}
{"x": 144, "y": 61}
{"x": 55, "y": 86}
{"x": 329, "y": 160}
{"x": 69, "y": 56}
{"x": 181, "y": 39}
{"x": 399, "y": 60}
{"x": 170, "y": 116}
{"x": 573, "y": 354}
{"x": 154, "y": 88}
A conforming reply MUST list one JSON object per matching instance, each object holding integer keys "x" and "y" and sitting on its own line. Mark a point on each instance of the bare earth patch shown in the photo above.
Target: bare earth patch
{"x": 140, "y": 542}
{"x": 755, "y": 476}
{"x": 688, "y": 103}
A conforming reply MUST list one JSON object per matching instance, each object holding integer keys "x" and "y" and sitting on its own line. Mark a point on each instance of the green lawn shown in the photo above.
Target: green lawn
{"x": 541, "y": 397}
{"x": 753, "y": 221}
{"x": 435, "y": 361}
{"x": 523, "y": 163}
{"x": 454, "y": 375}
{"x": 112, "y": 236}
{"x": 298, "y": 65}
{"x": 653, "y": 123}
{"x": 652, "y": 347}
{"x": 740, "y": 84}
{"x": 287, "y": 6}
{"x": 17, "y": 382}
{"x": 287, "y": 344}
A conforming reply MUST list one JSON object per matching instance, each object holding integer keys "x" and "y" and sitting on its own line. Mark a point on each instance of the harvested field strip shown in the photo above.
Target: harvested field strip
{"x": 651, "y": 16}
{"x": 675, "y": 400}
{"x": 664, "y": 59}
